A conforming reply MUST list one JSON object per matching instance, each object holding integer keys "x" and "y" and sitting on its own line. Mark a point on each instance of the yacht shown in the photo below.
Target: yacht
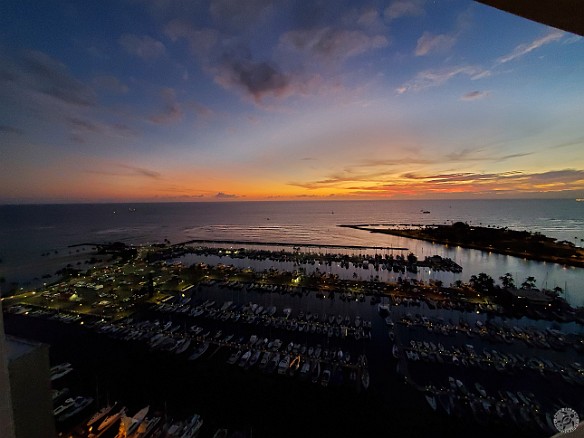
{"x": 100, "y": 414}
{"x": 62, "y": 408}
{"x": 284, "y": 364}
{"x": 265, "y": 360}
{"x": 234, "y": 357}
{"x": 79, "y": 404}
{"x": 273, "y": 363}
{"x": 326, "y": 377}
{"x": 111, "y": 420}
{"x": 199, "y": 351}
{"x": 244, "y": 358}
{"x": 315, "y": 372}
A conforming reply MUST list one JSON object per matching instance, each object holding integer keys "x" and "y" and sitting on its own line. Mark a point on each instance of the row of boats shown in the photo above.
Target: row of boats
{"x": 503, "y": 362}
{"x": 497, "y": 333}
{"x": 141, "y": 424}
{"x": 252, "y": 313}
{"x": 516, "y": 407}
{"x": 320, "y": 365}
{"x": 268, "y": 355}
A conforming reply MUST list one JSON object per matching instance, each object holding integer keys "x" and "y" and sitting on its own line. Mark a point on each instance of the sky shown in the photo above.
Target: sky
{"x": 176, "y": 100}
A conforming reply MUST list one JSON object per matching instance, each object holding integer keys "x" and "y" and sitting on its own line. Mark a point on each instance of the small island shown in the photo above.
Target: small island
{"x": 502, "y": 240}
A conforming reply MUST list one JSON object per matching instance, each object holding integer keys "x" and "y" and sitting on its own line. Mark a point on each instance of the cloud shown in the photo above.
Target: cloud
{"x": 237, "y": 14}
{"x": 475, "y": 95}
{"x": 37, "y": 72}
{"x": 201, "y": 41}
{"x": 434, "y": 43}
{"x": 524, "y": 49}
{"x": 405, "y": 8}
{"x": 433, "y": 78}
{"x": 517, "y": 182}
{"x": 83, "y": 125}
{"x": 221, "y": 195}
{"x": 327, "y": 44}
{"x": 255, "y": 78}
{"x": 140, "y": 171}
{"x": 130, "y": 171}
{"x": 576, "y": 142}
{"x": 172, "y": 111}
{"x": 110, "y": 83}
{"x": 143, "y": 47}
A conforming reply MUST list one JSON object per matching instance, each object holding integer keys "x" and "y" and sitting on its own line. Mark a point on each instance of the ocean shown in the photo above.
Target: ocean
{"x": 35, "y": 239}
{"x": 271, "y": 405}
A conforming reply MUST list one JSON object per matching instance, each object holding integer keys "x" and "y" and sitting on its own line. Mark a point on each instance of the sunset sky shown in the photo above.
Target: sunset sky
{"x": 175, "y": 100}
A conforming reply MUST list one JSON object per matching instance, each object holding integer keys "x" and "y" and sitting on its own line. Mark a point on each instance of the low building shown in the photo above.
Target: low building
{"x": 26, "y": 407}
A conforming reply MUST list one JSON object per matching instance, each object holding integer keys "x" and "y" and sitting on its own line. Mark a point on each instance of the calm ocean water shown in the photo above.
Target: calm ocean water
{"x": 28, "y": 231}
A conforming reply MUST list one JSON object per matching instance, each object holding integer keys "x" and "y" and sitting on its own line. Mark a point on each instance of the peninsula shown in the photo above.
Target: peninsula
{"x": 532, "y": 246}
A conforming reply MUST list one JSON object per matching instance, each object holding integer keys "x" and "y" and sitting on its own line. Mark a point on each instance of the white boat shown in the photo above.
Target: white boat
{"x": 431, "y": 399}
{"x": 480, "y": 389}
{"x": 100, "y": 414}
{"x": 383, "y": 308}
{"x": 254, "y": 358}
{"x": 199, "y": 351}
{"x": 273, "y": 363}
{"x": 326, "y": 377}
{"x": 62, "y": 408}
{"x": 365, "y": 380}
{"x": 315, "y": 372}
{"x": 305, "y": 369}
{"x": 79, "y": 404}
{"x": 265, "y": 359}
{"x": 244, "y": 358}
{"x": 192, "y": 427}
{"x": 234, "y": 357}
{"x": 284, "y": 364}
{"x": 182, "y": 345}
{"x": 61, "y": 370}
{"x": 111, "y": 419}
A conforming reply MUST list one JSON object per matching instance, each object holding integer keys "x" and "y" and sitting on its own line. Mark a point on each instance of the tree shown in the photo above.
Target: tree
{"x": 482, "y": 282}
{"x": 507, "y": 281}
{"x": 529, "y": 283}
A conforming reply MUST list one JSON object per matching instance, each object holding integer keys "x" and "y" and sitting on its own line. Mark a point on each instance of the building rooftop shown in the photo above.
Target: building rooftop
{"x": 17, "y": 347}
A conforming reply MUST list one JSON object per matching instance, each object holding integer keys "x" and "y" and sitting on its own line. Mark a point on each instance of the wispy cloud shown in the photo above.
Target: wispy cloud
{"x": 433, "y": 78}
{"x": 328, "y": 44}
{"x": 436, "y": 77}
{"x": 518, "y": 182}
{"x": 434, "y": 43}
{"x": 474, "y": 95}
{"x": 576, "y": 142}
{"x": 524, "y": 49}
{"x": 110, "y": 83}
{"x": 144, "y": 47}
{"x": 36, "y": 72}
{"x": 404, "y": 8}
{"x": 126, "y": 170}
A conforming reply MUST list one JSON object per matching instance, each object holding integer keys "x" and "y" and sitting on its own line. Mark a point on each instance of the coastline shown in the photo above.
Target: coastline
{"x": 576, "y": 259}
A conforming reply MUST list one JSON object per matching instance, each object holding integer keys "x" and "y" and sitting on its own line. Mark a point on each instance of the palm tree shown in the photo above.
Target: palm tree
{"x": 529, "y": 283}
{"x": 507, "y": 281}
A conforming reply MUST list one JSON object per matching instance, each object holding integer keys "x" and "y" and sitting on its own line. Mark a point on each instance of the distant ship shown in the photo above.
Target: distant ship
{"x": 579, "y": 199}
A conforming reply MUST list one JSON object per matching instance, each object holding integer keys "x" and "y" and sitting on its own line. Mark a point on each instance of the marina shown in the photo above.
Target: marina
{"x": 454, "y": 353}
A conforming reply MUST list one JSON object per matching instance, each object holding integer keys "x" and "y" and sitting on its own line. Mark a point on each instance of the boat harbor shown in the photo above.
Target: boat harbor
{"x": 224, "y": 340}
